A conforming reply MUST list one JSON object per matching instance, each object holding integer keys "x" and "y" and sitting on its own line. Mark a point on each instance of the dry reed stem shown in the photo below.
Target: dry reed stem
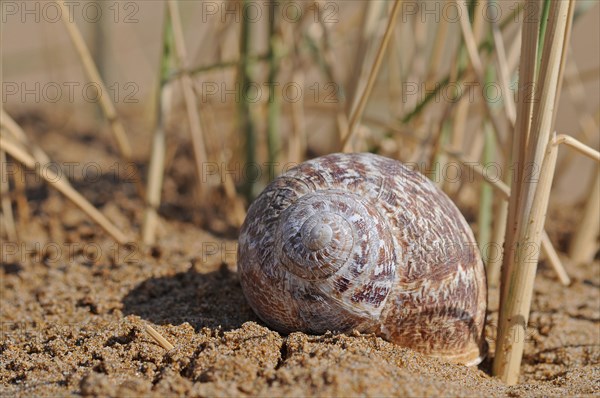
{"x": 369, "y": 30}
{"x": 156, "y": 168}
{"x": 498, "y": 234}
{"x": 533, "y": 201}
{"x": 164, "y": 343}
{"x": 504, "y": 190}
{"x": 12, "y": 127}
{"x": 589, "y": 223}
{"x": 435, "y": 142}
{"x": 297, "y": 144}
{"x": 438, "y": 159}
{"x": 418, "y": 41}
{"x": 512, "y": 58}
{"x": 459, "y": 120}
{"x": 504, "y": 69}
{"x": 526, "y": 94}
{"x": 546, "y": 245}
{"x": 9, "y": 220}
{"x": 475, "y": 147}
{"x": 22, "y": 205}
{"x": 515, "y": 311}
{"x": 17, "y": 132}
{"x": 437, "y": 51}
{"x": 191, "y": 103}
{"x": 273, "y": 131}
{"x": 486, "y": 197}
{"x": 360, "y": 107}
{"x": 584, "y": 244}
{"x": 92, "y": 72}
{"x": 578, "y": 146}
{"x": 396, "y": 129}
{"x": 499, "y": 228}
{"x": 552, "y": 257}
{"x": 477, "y": 65}
{"x": 419, "y": 152}
{"x": 329, "y": 61}
{"x": 238, "y": 213}
{"x": 108, "y": 108}
{"x": 561, "y": 71}
{"x": 60, "y": 185}
{"x": 547, "y": 86}
{"x": 394, "y": 82}
{"x": 460, "y": 123}
{"x": 459, "y": 129}
{"x": 400, "y": 55}
{"x": 462, "y": 109}
{"x": 587, "y": 123}
{"x": 413, "y": 50}
{"x": 478, "y": 21}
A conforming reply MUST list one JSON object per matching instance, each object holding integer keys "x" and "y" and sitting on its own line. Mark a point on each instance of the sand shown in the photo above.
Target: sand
{"x": 74, "y": 304}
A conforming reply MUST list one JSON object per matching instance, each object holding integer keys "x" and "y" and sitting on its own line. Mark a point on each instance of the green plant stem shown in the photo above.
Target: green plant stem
{"x": 157, "y": 156}
{"x": 486, "y": 205}
{"x": 274, "y": 106}
{"x": 542, "y": 33}
{"x": 245, "y": 119}
{"x": 228, "y": 64}
{"x": 486, "y": 198}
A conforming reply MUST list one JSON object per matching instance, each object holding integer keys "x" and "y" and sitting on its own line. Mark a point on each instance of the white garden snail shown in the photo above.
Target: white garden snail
{"x": 360, "y": 242}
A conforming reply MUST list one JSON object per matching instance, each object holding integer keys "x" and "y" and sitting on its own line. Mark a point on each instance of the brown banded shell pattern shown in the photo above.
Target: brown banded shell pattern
{"x": 359, "y": 241}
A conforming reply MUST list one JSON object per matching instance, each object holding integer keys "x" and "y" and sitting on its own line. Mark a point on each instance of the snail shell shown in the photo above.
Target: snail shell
{"x": 360, "y": 242}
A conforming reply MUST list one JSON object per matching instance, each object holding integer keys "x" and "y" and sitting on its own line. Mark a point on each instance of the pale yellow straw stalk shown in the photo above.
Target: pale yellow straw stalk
{"x": 584, "y": 245}
{"x": 362, "y": 102}
{"x": 156, "y": 169}
{"x": 7, "y": 213}
{"x": 527, "y": 79}
{"x": 164, "y": 343}
{"x": 59, "y": 183}
{"x": 532, "y": 205}
{"x": 92, "y": 73}
{"x": 191, "y": 103}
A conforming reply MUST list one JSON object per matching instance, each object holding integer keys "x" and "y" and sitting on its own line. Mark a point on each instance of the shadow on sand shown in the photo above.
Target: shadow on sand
{"x": 203, "y": 300}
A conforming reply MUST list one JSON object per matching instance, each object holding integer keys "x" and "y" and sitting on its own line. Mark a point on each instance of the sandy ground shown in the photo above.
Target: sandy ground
{"x": 73, "y": 305}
